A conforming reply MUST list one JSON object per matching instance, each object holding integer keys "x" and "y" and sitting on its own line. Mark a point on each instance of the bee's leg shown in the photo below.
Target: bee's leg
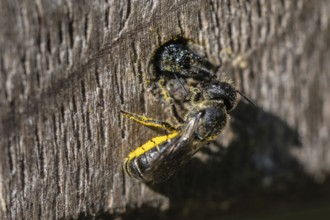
{"x": 196, "y": 95}
{"x": 150, "y": 122}
{"x": 169, "y": 100}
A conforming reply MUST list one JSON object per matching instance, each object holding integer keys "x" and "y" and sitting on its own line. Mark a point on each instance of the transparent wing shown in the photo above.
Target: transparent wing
{"x": 176, "y": 152}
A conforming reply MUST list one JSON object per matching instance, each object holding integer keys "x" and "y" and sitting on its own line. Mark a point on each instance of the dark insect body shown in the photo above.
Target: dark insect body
{"x": 160, "y": 157}
{"x": 177, "y": 60}
{"x": 209, "y": 103}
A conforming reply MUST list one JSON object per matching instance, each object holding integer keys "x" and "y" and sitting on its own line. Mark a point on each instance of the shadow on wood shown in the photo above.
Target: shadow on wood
{"x": 256, "y": 172}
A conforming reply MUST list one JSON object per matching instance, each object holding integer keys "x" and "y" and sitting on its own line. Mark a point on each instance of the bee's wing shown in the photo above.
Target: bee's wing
{"x": 178, "y": 152}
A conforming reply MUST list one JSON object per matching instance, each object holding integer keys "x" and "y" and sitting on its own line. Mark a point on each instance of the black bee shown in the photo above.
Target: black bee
{"x": 161, "y": 157}
{"x": 175, "y": 60}
{"x": 209, "y": 103}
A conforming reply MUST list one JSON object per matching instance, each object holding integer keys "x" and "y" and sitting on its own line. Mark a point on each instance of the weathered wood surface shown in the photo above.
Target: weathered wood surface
{"x": 67, "y": 68}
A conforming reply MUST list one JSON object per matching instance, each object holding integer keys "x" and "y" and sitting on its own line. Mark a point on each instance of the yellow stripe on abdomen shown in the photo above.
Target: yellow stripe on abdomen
{"x": 150, "y": 144}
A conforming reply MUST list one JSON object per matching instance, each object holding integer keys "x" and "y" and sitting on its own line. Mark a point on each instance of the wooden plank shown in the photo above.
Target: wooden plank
{"x": 67, "y": 69}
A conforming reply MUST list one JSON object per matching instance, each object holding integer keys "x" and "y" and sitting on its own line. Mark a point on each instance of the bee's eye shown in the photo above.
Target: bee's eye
{"x": 221, "y": 90}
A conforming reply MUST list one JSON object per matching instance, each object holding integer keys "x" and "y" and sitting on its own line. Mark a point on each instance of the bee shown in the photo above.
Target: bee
{"x": 176, "y": 59}
{"x": 159, "y": 158}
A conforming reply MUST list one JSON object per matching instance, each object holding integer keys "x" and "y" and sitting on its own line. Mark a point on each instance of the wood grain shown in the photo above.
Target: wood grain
{"x": 68, "y": 68}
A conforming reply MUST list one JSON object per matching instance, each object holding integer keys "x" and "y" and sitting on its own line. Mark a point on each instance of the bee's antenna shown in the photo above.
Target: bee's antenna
{"x": 245, "y": 97}
{"x": 201, "y": 68}
{"x": 176, "y": 77}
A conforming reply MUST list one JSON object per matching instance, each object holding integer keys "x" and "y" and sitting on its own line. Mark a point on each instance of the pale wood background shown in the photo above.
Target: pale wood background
{"x": 67, "y": 68}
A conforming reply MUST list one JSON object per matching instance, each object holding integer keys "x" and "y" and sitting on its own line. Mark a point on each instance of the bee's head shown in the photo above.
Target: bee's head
{"x": 216, "y": 90}
{"x": 178, "y": 58}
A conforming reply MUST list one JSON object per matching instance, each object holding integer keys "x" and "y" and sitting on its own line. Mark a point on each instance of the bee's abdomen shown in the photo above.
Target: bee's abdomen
{"x": 139, "y": 162}
{"x": 137, "y": 167}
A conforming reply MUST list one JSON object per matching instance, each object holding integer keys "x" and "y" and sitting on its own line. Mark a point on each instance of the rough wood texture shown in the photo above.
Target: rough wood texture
{"x": 68, "y": 68}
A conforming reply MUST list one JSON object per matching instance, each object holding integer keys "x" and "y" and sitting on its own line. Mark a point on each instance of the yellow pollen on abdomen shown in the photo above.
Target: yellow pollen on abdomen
{"x": 150, "y": 144}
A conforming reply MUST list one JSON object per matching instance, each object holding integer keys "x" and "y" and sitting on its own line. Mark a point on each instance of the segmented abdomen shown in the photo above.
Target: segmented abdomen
{"x": 139, "y": 162}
